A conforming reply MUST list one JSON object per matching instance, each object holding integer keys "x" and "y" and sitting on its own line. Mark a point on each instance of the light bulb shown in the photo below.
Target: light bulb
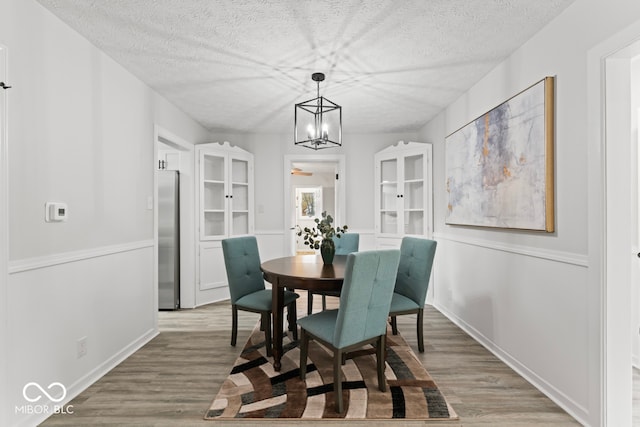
{"x": 325, "y": 131}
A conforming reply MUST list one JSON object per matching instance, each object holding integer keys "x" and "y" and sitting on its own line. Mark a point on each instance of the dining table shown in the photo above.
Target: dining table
{"x": 307, "y": 272}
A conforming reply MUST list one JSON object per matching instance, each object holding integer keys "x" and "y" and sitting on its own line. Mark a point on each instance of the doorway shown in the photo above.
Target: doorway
{"x": 622, "y": 81}
{"x": 4, "y": 237}
{"x": 613, "y": 228}
{"x": 174, "y": 153}
{"x": 310, "y": 201}
{"x": 312, "y": 184}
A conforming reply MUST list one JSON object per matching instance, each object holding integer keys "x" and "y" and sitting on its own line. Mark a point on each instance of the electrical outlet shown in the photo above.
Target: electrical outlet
{"x": 82, "y": 347}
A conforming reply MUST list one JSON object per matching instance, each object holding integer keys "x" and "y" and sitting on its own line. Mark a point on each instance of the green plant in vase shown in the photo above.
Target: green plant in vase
{"x": 321, "y": 236}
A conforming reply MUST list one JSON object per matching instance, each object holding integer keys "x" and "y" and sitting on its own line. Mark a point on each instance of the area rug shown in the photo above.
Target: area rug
{"x": 253, "y": 390}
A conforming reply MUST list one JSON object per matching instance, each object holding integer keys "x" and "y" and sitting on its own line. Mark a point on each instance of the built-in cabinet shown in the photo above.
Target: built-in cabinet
{"x": 403, "y": 193}
{"x": 168, "y": 160}
{"x": 224, "y": 177}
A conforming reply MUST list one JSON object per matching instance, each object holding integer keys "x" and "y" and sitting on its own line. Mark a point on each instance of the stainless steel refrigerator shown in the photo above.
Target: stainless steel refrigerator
{"x": 168, "y": 240}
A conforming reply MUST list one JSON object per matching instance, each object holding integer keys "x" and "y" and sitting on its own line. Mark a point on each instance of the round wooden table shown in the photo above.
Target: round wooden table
{"x": 298, "y": 272}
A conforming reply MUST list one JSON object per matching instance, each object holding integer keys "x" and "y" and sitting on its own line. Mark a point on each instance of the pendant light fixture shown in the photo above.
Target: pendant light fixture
{"x": 318, "y": 121}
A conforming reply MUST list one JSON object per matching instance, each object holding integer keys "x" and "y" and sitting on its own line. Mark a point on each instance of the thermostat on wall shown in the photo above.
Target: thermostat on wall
{"x": 55, "y": 212}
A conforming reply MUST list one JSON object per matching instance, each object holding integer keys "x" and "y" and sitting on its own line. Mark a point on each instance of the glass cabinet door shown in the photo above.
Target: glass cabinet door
{"x": 239, "y": 197}
{"x": 403, "y": 193}
{"x": 388, "y": 188}
{"x": 413, "y": 193}
{"x": 213, "y": 196}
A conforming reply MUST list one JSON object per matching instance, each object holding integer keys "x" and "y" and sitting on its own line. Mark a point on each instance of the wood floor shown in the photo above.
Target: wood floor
{"x": 172, "y": 380}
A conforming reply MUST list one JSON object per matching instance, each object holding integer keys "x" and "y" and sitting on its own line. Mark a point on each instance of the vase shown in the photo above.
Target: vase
{"x": 327, "y": 250}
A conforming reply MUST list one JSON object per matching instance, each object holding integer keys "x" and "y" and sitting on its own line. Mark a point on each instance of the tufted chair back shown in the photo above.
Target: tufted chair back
{"x": 366, "y": 295}
{"x": 347, "y": 243}
{"x": 414, "y": 271}
{"x": 242, "y": 260}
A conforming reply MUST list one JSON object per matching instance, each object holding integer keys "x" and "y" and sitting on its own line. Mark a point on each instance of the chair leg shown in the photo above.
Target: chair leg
{"x": 234, "y": 325}
{"x": 266, "y": 321}
{"x": 309, "y": 302}
{"x": 394, "y": 325}
{"x": 292, "y": 320}
{"x": 380, "y": 356}
{"x": 420, "y": 330}
{"x": 304, "y": 350}
{"x": 337, "y": 380}
{"x": 324, "y": 302}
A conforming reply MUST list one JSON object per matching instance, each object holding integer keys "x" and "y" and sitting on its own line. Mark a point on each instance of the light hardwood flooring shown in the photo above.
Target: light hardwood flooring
{"x": 172, "y": 380}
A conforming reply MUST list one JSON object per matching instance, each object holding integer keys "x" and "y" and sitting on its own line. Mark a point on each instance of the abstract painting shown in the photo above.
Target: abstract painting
{"x": 499, "y": 167}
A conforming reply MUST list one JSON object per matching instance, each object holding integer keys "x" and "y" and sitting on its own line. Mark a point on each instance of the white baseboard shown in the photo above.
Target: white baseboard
{"x": 94, "y": 375}
{"x": 577, "y": 411}
{"x": 220, "y": 293}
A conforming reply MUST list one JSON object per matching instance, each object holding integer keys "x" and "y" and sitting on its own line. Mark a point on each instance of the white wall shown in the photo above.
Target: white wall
{"x": 80, "y": 131}
{"x": 527, "y": 296}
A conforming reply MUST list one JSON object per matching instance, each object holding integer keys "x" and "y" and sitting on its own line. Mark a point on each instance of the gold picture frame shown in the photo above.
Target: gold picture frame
{"x": 500, "y": 166}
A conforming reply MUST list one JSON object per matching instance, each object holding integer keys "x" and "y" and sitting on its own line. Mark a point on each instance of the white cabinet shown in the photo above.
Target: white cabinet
{"x": 226, "y": 193}
{"x": 224, "y": 177}
{"x": 403, "y": 192}
{"x": 169, "y": 160}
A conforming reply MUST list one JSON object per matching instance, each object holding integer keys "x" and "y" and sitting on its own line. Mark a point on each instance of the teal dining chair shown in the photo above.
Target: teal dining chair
{"x": 412, "y": 282}
{"x": 247, "y": 289}
{"x": 345, "y": 244}
{"x": 361, "y": 319}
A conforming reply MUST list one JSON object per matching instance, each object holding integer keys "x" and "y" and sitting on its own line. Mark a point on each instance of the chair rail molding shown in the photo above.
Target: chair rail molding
{"x": 547, "y": 254}
{"x": 35, "y": 263}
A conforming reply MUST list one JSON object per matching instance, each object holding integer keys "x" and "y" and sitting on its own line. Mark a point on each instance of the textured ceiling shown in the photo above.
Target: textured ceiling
{"x": 241, "y": 65}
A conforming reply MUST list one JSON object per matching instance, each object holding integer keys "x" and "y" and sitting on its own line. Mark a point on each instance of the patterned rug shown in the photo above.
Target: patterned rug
{"x": 254, "y": 390}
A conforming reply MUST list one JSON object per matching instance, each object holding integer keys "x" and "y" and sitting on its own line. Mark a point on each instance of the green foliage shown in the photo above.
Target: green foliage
{"x": 314, "y": 236}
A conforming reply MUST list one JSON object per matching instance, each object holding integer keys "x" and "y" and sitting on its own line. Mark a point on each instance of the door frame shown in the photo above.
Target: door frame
{"x": 187, "y": 215}
{"x": 609, "y": 263}
{"x": 4, "y": 238}
{"x": 289, "y": 203}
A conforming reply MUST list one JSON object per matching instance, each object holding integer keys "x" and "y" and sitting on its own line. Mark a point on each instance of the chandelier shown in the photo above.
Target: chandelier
{"x": 318, "y": 121}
